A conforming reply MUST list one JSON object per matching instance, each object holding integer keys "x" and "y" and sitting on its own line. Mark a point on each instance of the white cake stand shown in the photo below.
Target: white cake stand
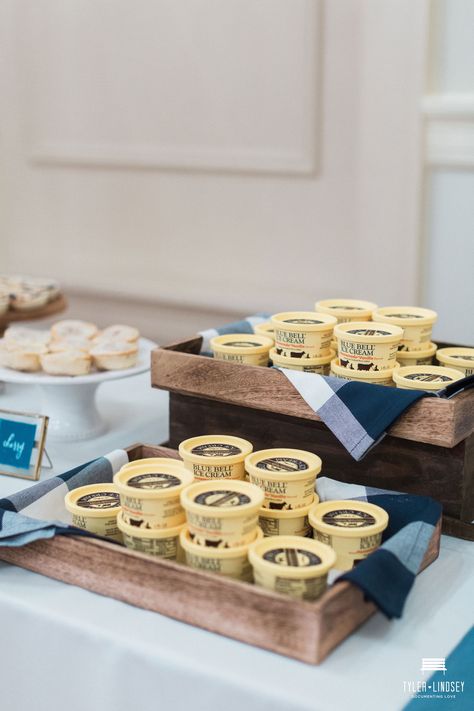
{"x": 69, "y": 401}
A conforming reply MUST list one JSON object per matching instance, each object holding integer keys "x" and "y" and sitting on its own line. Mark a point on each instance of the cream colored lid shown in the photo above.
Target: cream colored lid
{"x": 145, "y": 481}
{"x": 292, "y": 556}
{"x": 368, "y": 332}
{"x": 241, "y": 343}
{"x": 283, "y": 360}
{"x": 93, "y": 501}
{"x": 263, "y": 328}
{"x": 153, "y": 462}
{"x": 345, "y": 308}
{"x": 210, "y": 551}
{"x": 404, "y": 315}
{"x": 338, "y": 369}
{"x": 348, "y": 518}
{"x": 215, "y": 449}
{"x": 303, "y": 321}
{"x": 425, "y": 353}
{"x": 283, "y": 464}
{"x": 426, "y": 377}
{"x": 222, "y": 498}
{"x": 288, "y": 513}
{"x": 147, "y": 533}
{"x": 463, "y": 357}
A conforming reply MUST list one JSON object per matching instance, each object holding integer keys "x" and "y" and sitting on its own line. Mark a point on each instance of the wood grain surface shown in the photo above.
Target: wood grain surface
{"x": 396, "y": 464}
{"x": 306, "y": 631}
{"x": 177, "y": 368}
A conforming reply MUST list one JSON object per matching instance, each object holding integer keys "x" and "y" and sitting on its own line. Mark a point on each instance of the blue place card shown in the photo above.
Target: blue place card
{"x": 17, "y": 440}
{"x": 22, "y": 444}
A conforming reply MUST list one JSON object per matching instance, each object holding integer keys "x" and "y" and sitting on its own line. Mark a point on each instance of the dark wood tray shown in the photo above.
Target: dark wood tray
{"x": 429, "y": 450}
{"x": 307, "y": 631}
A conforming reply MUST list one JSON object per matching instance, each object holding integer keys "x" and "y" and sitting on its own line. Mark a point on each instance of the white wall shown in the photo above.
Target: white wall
{"x": 449, "y": 195}
{"x": 241, "y": 155}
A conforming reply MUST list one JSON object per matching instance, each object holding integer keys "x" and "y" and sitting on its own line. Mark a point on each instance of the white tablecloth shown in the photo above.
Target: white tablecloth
{"x": 64, "y": 648}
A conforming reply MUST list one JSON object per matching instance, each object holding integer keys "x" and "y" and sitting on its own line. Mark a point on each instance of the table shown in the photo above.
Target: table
{"x": 67, "y": 648}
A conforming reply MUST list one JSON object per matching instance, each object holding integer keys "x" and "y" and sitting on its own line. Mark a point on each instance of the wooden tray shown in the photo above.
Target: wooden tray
{"x": 307, "y": 631}
{"x": 57, "y": 305}
{"x": 429, "y": 450}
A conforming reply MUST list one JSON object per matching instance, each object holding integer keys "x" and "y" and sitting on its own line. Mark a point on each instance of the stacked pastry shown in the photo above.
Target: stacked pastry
{"x": 70, "y": 347}
{"x": 24, "y": 293}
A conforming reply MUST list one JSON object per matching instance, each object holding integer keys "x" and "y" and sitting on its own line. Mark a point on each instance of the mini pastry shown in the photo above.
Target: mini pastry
{"x": 27, "y": 299}
{"x": 71, "y": 362}
{"x": 118, "y": 332}
{"x": 114, "y": 355}
{"x": 12, "y": 281}
{"x": 75, "y": 343}
{"x": 25, "y": 357}
{"x": 26, "y": 292}
{"x": 26, "y": 336}
{"x": 68, "y": 328}
{"x": 4, "y": 354}
{"x": 50, "y": 286}
{"x": 4, "y": 299}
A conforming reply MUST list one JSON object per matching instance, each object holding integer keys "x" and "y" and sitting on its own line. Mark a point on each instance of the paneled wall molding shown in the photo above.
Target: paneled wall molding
{"x": 232, "y": 87}
{"x": 190, "y": 158}
{"x": 449, "y": 136}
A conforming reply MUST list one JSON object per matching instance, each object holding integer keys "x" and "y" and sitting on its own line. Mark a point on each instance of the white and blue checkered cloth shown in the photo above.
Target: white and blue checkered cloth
{"x": 358, "y": 415}
{"x": 385, "y": 577}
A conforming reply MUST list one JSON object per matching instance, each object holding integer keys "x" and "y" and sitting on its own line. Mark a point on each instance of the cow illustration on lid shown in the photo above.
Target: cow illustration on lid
{"x": 360, "y": 366}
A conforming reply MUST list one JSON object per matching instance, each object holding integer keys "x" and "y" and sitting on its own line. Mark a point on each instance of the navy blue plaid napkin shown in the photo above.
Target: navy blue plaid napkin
{"x": 385, "y": 577}
{"x": 39, "y": 512}
{"x": 358, "y": 414}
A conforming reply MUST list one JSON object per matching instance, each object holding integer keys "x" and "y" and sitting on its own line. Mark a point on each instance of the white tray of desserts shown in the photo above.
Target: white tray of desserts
{"x": 68, "y": 364}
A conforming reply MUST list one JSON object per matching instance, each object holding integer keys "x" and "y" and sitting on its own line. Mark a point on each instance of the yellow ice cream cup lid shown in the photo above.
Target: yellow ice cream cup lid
{"x": 288, "y": 513}
{"x": 153, "y": 462}
{"x": 292, "y": 556}
{"x": 368, "y": 331}
{"x": 215, "y": 449}
{"x": 278, "y": 464}
{"x": 348, "y": 518}
{"x": 93, "y": 501}
{"x": 209, "y": 551}
{"x": 426, "y": 377}
{"x": 303, "y": 321}
{"x": 241, "y": 343}
{"x": 226, "y": 498}
{"x": 456, "y": 356}
{"x": 283, "y": 360}
{"x": 427, "y": 352}
{"x": 340, "y": 370}
{"x": 345, "y": 308}
{"x": 404, "y": 315}
{"x": 265, "y": 328}
{"x": 146, "y": 481}
{"x": 147, "y": 533}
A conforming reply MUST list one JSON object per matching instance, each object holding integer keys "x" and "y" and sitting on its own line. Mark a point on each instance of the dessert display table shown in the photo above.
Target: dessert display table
{"x": 70, "y": 647}
{"x": 70, "y": 401}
